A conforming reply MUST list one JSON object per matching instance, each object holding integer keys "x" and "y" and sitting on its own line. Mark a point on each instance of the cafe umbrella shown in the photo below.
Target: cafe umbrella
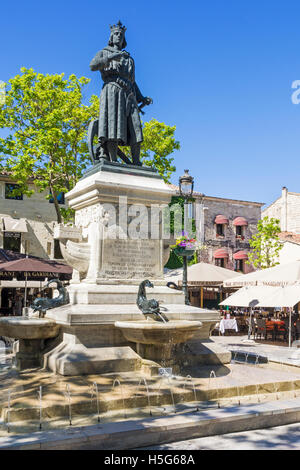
{"x": 33, "y": 268}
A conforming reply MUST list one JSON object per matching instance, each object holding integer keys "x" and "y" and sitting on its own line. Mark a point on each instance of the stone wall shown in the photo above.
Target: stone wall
{"x": 287, "y": 209}
{"x": 231, "y": 209}
{"x": 40, "y": 218}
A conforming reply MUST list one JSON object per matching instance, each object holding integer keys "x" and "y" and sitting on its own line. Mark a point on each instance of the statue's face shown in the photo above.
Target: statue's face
{"x": 117, "y": 38}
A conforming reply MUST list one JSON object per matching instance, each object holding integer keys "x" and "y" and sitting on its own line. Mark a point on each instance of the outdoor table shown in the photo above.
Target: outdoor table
{"x": 274, "y": 322}
{"x": 229, "y": 324}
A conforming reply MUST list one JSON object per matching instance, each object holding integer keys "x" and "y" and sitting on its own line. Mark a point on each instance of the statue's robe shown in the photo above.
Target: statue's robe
{"x": 119, "y": 117}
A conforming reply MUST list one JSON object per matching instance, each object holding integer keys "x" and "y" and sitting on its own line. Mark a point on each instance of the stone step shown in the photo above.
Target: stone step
{"x": 75, "y": 359}
{"x": 134, "y": 434}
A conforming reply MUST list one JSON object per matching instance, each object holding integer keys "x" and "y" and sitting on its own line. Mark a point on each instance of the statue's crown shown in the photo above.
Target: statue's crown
{"x": 118, "y": 27}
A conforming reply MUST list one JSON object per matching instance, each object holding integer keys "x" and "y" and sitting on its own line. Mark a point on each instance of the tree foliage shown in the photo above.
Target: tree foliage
{"x": 47, "y": 124}
{"x": 265, "y": 244}
{"x": 159, "y": 143}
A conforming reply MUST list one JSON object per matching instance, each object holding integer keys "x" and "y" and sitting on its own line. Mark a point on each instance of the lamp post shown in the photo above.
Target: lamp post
{"x": 186, "y": 187}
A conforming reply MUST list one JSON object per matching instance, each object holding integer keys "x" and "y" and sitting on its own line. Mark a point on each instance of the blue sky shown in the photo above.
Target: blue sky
{"x": 220, "y": 70}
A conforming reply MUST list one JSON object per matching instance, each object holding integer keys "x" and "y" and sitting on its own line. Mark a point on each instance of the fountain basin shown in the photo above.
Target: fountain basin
{"x": 159, "y": 342}
{"x": 152, "y": 332}
{"x": 31, "y": 333}
{"x": 28, "y": 328}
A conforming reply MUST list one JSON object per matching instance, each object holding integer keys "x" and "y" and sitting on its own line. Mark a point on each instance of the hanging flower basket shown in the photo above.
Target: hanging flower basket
{"x": 184, "y": 246}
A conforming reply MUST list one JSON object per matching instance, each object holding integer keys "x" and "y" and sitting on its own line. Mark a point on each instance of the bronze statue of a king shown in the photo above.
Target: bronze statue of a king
{"x": 119, "y": 121}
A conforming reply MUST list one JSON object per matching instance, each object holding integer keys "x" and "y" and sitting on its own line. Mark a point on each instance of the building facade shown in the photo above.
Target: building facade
{"x": 26, "y": 226}
{"x": 287, "y": 209}
{"x": 227, "y": 225}
{"x": 27, "y": 223}
{"x": 223, "y": 228}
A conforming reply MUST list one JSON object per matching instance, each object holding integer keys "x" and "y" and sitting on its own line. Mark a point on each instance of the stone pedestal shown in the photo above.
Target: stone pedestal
{"x": 117, "y": 242}
{"x": 29, "y": 353}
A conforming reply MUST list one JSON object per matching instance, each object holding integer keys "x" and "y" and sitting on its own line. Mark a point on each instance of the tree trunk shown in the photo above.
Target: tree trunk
{"x": 56, "y": 205}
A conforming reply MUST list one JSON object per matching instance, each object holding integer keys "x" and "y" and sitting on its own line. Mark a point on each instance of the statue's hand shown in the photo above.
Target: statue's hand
{"x": 117, "y": 55}
{"x": 147, "y": 100}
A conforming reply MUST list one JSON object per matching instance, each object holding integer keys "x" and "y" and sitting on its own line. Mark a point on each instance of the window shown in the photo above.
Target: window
{"x": 221, "y": 262}
{"x": 10, "y": 192}
{"x": 239, "y": 265}
{"x": 239, "y": 231}
{"x": 220, "y": 230}
{"x": 12, "y": 241}
{"x": 49, "y": 246}
{"x": 60, "y": 198}
{"x": 57, "y": 251}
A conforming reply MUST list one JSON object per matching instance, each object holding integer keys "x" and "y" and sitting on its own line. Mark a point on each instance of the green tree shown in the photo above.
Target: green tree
{"x": 47, "y": 122}
{"x": 159, "y": 143}
{"x": 265, "y": 244}
{"x": 177, "y": 212}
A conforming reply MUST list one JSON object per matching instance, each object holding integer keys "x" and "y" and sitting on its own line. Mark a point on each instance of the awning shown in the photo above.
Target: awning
{"x": 240, "y": 221}
{"x": 35, "y": 269}
{"x": 280, "y": 275}
{"x": 221, "y": 253}
{"x": 14, "y": 225}
{"x": 240, "y": 255}
{"x": 221, "y": 219}
{"x": 201, "y": 274}
{"x": 264, "y": 296}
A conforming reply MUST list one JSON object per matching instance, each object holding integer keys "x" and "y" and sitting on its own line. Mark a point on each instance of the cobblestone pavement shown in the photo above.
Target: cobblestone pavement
{"x": 277, "y": 438}
{"x": 274, "y": 352}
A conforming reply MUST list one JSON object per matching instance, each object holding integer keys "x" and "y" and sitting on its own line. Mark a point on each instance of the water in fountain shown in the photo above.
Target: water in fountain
{"x": 144, "y": 381}
{"x": 275, "y": 390}
{"x": 8, "y": 411}
{"x": 257, "y": 392}
{"x": 67, "y": 395}
{"x": 190, "y": 379}
{"x": 96, "y": 391}
{"x": 120, "y": 385}
{"x": 238, "y": 395}
{"x": 40, "y": 397}
{"x": 213, "y": 375}
{"x": 170, "y": 389}
{"x": 161, "y": 317}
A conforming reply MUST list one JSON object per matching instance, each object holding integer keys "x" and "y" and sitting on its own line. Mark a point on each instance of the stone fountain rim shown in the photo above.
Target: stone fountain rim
{"x": 20, "y": 320}
{"x": 155, "y": 325}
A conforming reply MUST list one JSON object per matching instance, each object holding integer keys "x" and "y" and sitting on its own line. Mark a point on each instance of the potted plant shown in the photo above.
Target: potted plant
{"x": 184, "y": 246}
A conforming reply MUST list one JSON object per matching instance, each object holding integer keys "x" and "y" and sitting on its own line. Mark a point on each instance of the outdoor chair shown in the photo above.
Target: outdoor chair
{"x": 282, "y": 330}
{"x": 270, "y": 330}
{"x": 243, "y": 326}
{"x": 298, "y": 329}
{"x": 293, "y": 329}
{"x": 260, "y": 328}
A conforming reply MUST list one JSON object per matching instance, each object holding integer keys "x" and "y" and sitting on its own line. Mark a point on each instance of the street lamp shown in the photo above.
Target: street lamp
{"x": 186, "y": 187}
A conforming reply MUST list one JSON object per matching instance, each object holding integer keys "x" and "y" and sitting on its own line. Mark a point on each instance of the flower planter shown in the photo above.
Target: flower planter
{"x": 183, "y": 251}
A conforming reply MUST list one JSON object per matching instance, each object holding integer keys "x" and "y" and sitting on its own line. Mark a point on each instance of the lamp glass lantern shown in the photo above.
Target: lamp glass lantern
{"x": 186, "y": 185}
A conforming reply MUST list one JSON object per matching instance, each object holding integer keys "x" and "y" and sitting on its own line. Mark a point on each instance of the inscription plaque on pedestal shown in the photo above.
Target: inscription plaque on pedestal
{"x": 132, "y": 259}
